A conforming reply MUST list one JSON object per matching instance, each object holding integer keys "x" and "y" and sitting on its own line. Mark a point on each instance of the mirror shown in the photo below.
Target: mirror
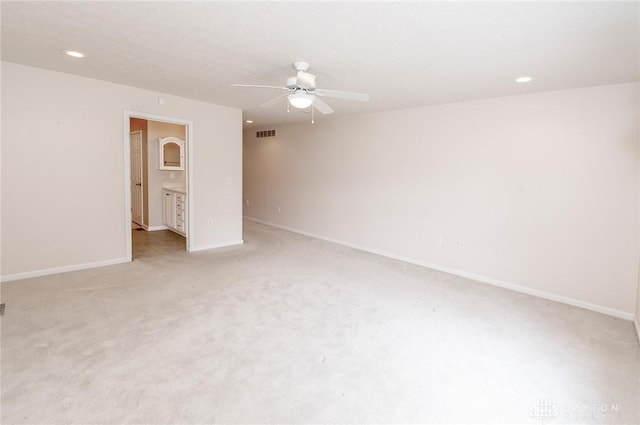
{"x": 171, "y": 153}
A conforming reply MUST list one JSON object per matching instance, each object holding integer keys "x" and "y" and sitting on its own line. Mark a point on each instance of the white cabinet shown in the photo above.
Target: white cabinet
{"x": 171, "y": 153}
{"x": 174, "y": 205}
{"x": 169, "y": 208}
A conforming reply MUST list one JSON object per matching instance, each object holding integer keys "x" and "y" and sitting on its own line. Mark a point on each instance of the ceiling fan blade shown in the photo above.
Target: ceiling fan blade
{"x": 274, "y": 101}
{"x": 306, "y": 80}
{"x": 362, "y": 97}
{"x": 259, "y": 87}
{"x": 321, "y": 106}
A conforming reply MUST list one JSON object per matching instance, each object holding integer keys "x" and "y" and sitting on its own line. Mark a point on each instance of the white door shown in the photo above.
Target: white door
{"x": 135, "y": 138}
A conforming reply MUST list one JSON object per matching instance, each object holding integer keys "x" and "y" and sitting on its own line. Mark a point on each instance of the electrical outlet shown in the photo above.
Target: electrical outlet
{"x": 228, "y": 180}
{"x": 438, "y": 240}
{"x": 210, "y": 221}
{"x": 172, "y": 175}
{"x": 246, "y": 201}
{"x": 461, "y": 245}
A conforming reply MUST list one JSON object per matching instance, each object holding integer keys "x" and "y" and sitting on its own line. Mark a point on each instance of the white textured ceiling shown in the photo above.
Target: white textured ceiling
{"x": 404, "y": 54}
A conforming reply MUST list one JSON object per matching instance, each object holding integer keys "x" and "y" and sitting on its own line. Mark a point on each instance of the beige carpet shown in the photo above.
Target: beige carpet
{"x": 288, "y": 329}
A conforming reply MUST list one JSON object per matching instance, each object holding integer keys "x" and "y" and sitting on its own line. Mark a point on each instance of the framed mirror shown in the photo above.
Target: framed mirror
{"x": 171, "y": 153}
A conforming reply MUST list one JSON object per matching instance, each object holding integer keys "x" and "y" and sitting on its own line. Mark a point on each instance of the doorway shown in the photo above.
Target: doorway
{"x": 158, "y": 203}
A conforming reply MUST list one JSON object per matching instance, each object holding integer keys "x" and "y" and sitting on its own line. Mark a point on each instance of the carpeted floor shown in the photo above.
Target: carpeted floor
{"x": 289, "y": 329}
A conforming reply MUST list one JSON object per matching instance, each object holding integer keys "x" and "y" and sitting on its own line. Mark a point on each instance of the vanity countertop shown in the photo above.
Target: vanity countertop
{"x": 176, "y": 187}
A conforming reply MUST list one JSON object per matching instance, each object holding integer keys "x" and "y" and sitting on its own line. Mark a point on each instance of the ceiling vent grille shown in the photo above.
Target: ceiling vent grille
{"x": 265, "y": 133}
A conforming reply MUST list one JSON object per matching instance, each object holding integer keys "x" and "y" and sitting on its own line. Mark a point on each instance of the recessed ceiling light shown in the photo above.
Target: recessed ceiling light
{"x": 523, "y": 79}
{"x": 73, "y": 53}
{"x": 249, "y": 121}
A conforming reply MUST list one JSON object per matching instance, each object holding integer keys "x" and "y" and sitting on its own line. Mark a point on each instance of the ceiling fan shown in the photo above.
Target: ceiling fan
{"x": 302, "y": 92}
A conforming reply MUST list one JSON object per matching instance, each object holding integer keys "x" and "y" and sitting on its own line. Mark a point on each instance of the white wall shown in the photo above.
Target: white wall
{"x": 540, "y": 190}
{"x": 63, "y": 169}
{"x": 637, "y": 316}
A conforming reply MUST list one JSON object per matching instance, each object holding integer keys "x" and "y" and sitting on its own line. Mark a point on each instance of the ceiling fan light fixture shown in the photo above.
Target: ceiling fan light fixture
{"x": 300, "y": 100}
{"x": 301, "y": 92}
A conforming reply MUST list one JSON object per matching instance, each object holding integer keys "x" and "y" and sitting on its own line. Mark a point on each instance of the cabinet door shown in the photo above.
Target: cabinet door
{"x": 171, "y": 153}
{"x": 169, "y": 206}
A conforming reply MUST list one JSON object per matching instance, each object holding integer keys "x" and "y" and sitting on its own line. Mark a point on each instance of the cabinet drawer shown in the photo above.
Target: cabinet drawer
{"x": 180, "y": 197}
{"x": 179, "y": 205}
{"x": 180, "y": 225}
{"x": 179, "y": 215}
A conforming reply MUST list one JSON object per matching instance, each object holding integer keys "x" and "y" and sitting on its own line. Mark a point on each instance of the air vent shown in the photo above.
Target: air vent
{"x": 265, "y": 133}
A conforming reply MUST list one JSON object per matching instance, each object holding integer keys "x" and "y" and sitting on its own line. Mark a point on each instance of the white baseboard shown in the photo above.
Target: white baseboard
{"x": 56, "y": 270}
{"x": 219, "y": 245}
{"x": 518, "y": 288}
{"x": 154, "y": 228}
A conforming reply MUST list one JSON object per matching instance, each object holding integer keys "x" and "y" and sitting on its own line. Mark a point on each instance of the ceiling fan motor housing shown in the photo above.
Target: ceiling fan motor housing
{"x": 292, "y": 82}
{"x": 301, "y": 66}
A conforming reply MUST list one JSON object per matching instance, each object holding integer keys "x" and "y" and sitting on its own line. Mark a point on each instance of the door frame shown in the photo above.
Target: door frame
{"x": 144, "y": 186}
{"x": 127, "y": 172}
